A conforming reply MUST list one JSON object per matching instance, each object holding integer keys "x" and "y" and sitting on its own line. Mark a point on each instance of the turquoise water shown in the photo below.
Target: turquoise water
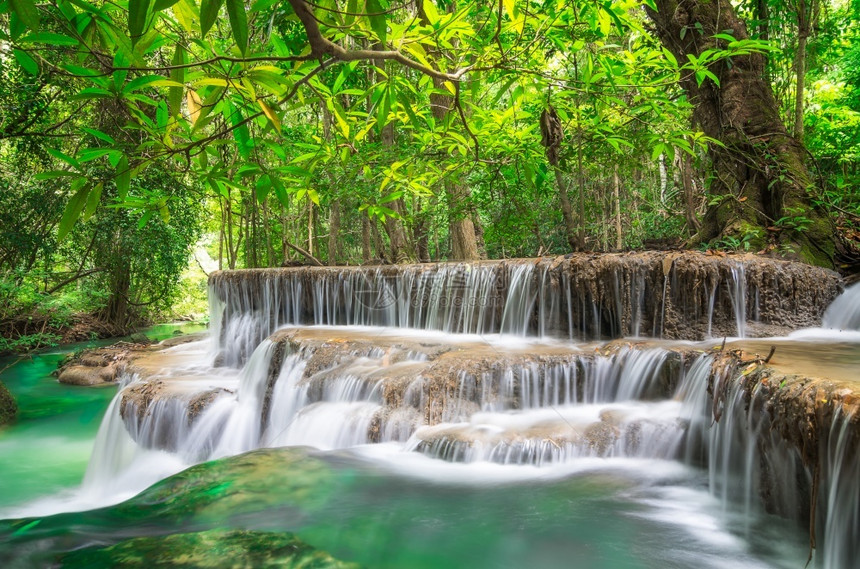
{"x": 607, "y": 518}
{"x": 386, "y": 511}
{"x": 47, "y": 449}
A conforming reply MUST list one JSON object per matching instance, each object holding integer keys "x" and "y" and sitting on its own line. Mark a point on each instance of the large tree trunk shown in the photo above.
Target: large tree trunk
{"x": 759, "y": 176}
{"x": 462, "y": 217}
{"x": 803, "y": 17}
{"x": 401, "y": 250}
{"x": 334, "y": 233}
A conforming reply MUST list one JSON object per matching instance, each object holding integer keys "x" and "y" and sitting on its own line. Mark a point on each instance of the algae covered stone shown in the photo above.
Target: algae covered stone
{"x": 214, "y": 548}
{"x": 8, "y": 407}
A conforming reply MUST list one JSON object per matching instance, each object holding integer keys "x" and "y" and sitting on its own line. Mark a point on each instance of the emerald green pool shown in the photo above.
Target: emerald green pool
{"x": 47, "y": 449}
{"x": 376, "y": 506}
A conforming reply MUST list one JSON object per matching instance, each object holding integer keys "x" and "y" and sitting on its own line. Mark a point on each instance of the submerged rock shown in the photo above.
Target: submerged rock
{"x": 104, "y": 366}
{"x": 8, "y": 407}
{"x": 209, "y": 549}
{"x": 99, "y": 366}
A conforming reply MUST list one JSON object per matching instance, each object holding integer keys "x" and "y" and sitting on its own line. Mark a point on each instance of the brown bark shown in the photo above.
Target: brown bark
{"x": 800, "y": 66}
{"x": 462, "y": 217}
{"x": 616, "y": 194}
{"x": 310, "y": 226}
{"x": 421, "y": 232}
{"x": 401, "y": 250}
{"x": 759, "y": 176}
{"x": 333, "y": 233}
{"x": 686, "y": 167}
{"x": 551, "y": 138}
{"x": 366, "y": 254}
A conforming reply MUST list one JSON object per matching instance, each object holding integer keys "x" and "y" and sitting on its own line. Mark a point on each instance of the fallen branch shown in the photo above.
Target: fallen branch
{"x": 314, "y": 261}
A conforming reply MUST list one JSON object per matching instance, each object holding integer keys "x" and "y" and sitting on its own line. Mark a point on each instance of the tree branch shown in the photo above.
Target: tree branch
{"x": 320, "y": 46}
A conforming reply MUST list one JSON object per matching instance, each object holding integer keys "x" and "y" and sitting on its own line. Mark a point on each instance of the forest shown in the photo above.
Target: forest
{"x": 138, "y": 137}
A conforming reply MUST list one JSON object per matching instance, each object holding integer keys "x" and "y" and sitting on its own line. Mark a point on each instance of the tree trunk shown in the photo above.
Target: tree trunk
{"x": 579, "y": 245}
{"x": 686, "y": 167}
{"x": 421, "y": 231}
{"x": 401, "y": 251}
{"x": 333, "y": 233}
{"x": 462, "y": 218}
{"x": 664, "y": 181}
{"x": 760, "y": 179}
{"x": 310, "y": 225}
{"x": 570, "y": 230}
{"x": 366, "y": 254}
{"x": 616, "y": 194}
{"x": 800, "y": 66}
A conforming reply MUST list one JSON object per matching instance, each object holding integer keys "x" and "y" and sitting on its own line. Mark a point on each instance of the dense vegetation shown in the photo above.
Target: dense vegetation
{"x": 332, "y": 132}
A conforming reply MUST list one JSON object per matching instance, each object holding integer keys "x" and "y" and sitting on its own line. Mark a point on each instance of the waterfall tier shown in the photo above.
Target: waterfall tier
{"x": 769, "y": 439}
{"x": 680, "y": 295}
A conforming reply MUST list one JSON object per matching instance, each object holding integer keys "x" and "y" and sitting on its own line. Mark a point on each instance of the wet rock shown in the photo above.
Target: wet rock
{"x": 806, "y": 430}
{"x": 676, "y": 295}
{"x": 8, "y": 407}
{"x": 182, "y": 339}
{"x": 89, "y": 375}
{"x": 99, "y": 366}
{"x": 208, "y": 549}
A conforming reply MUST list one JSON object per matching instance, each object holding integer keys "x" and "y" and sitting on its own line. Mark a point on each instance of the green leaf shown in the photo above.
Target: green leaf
{"x": 26, "y": 61}
{"x": 384, "y": 109}
{"x": 240, "y": 131}
{"x": 270, "y": 114}
{"x": 73, "y": 209}
{"x": 352, "y": 10}
{"x": 90, "y": 154}
{"x": 144, "y": 220}
{"x": 378, "y": 21}
{"x": 93, "y": 201}
{"x": 54, "y": 174}
{"x": 238, "y": 23}
{"x": 123, "y": 177}
{"x": 726, "y": 37}
{"x": 174, "y": 95}
{"x": 64, "y": 157}
{"x": 208, "y": 15}
{"x": 80, "y": 71}
{"x": 263, "y": 186}
{"x": 27, "y": 12}
{"x": 138, "y": 10}
{"x": 431, "y": 12}
{"x": 49, "y": 38}
{"x": 163, "y": 5}
{"x": 92, "y": 93}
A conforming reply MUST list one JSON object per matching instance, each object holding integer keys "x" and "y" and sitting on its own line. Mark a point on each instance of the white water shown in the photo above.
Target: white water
{"x": 523, "y": 299}
{"x": 545, "y": 415}
{"x": 844, "y": 313}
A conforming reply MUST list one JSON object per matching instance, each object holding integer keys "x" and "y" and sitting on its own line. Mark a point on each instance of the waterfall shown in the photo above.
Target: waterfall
{"x": 685, "y": 296}
{"x": 485, "y": 364}
{"x": 844, "y": 313}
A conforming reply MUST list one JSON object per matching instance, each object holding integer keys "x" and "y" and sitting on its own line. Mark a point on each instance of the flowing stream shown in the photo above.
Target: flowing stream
{"x": 475, "y": 433}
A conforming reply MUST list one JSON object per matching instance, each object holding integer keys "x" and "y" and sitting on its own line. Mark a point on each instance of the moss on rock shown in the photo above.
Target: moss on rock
{"x": 8, "y": 407}
{"x": 215, "y": 548}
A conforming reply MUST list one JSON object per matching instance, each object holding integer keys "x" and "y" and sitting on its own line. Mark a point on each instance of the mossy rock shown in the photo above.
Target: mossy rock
{"x": 8, "y": 407}
{"x": 249, "y": 482}
{"x": 208, "y": 549}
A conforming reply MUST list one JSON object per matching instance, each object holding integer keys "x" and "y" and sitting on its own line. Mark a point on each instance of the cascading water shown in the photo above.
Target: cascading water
{"x": 684, "y": 296}
{"x": 436, "y": 362}
{"x": 844, "y": 313}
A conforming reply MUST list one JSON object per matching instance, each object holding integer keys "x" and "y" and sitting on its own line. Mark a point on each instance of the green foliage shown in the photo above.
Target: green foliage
{"x": 275, "y": 127}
